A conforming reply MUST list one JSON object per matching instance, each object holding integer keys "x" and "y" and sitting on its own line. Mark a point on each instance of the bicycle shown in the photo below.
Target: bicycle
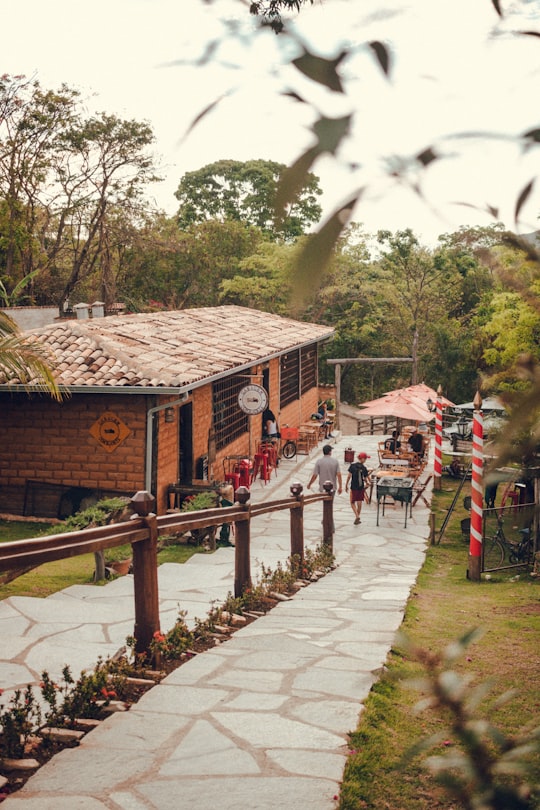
{"x": 496, "y": 547}
{"x": 289, "y": 436}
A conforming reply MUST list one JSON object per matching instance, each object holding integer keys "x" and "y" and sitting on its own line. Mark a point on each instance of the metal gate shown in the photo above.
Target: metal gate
{"x": 510, "y": 537}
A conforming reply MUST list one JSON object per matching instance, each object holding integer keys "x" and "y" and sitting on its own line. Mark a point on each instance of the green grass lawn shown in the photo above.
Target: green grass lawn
{"x": 55, "y": 576}
{"x": 21, "y": 529}
{"x": 443, "y": 606}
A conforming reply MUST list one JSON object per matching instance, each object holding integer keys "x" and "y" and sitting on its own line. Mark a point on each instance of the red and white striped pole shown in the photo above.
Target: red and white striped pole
{"x": 477, "y": 491}
{"x": 437, "y": 464}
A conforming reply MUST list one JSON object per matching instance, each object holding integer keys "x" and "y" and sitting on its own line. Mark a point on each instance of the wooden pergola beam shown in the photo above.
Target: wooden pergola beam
{"x": 367, "y": 360}
{"x": 357, "y": 360}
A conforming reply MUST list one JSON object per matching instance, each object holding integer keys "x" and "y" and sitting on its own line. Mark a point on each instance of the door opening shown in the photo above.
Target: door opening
{"x": 266, "y": 382}
{"x": 185, "y": 448}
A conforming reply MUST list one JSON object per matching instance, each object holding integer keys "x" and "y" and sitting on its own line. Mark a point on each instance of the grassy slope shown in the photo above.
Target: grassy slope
{"x": 444, "y": 605}
{"x": 56, "y": 576}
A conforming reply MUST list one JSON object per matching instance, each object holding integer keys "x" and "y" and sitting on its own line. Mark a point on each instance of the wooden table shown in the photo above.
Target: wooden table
{"x": 308, "y": 436}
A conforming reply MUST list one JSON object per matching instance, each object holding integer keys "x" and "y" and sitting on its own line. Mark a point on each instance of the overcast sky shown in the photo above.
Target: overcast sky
{"x": 449, "y": 75}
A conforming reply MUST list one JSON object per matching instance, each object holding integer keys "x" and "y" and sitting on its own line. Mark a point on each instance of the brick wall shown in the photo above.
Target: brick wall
{"x": 52, "y": 443}
{"x": 297, "y": 412}
{"x": 42, "y": 440}
{"x": 166, "y": 459}
{"x": 202, "y": 420}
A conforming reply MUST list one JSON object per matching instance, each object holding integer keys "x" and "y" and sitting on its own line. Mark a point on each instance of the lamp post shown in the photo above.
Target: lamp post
{"x": 477, "y": 492}
{"x": 462, "y": 427}
{"x": 437, "y": 464}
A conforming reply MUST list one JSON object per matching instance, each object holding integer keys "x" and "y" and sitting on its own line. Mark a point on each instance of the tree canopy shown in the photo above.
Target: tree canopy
{"x": 61, "y": 175}
{"x": 247, "y": 192}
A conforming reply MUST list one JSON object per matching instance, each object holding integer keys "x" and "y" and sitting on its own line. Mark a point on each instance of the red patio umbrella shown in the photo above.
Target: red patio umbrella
{"x": 424, "y": 392}
{"x": 397, "y": 404}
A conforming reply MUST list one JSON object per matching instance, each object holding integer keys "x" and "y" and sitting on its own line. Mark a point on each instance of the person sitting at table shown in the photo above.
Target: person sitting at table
{"x": 453, "y": 469}
{"x": 393, "y": 444}
{"x": 322, "y": 418}
{"x": 416, "y": 443}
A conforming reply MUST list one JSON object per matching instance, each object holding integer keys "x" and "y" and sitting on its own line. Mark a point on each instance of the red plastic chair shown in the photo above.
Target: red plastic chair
{"x": 260, "y": 465}
{"x": 509, "y": 495}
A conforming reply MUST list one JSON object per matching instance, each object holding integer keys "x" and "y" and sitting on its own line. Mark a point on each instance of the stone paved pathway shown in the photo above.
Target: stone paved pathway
{"x": 260, "y": 721}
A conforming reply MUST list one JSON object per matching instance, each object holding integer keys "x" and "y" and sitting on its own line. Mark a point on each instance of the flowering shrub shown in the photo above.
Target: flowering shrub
{"x": 72, "y": 699}
{"x": 19, "y": 720}
{"x": 319, "y": 559}
{"x": 170, "y": 646}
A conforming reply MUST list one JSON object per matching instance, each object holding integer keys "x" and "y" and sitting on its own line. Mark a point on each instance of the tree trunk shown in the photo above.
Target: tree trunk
{"x": 414, "y": 355}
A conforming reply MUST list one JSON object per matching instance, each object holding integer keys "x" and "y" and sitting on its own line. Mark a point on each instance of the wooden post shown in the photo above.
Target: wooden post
{"x": 99, "y": 562}
{"x": 328, "y": 516}
{"x": 337, "y": 379}
{"x": 297, "y": 523}
{"x": 145, "y": 579}
{"x": 242, "y": 529}
{"x": 432, "y": 535}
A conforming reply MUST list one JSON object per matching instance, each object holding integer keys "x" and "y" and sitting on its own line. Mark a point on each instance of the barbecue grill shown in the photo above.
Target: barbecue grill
{"x": 399, "y": 489}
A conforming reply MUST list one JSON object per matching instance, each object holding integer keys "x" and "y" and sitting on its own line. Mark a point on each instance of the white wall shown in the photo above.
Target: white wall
{"x": 32, "y": 317}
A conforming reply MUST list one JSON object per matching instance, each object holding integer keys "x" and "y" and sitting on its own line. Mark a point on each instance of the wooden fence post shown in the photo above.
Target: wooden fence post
{"x": 242, "y": 529}
{"x": 431, "y": 523}
{"x": 328, "y": 516}
{"x": 145, "y": 578}
{"x": 297, "y": 524}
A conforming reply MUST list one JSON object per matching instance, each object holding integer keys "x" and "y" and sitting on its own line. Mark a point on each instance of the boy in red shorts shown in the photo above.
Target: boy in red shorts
{"x": 358, "y": 478}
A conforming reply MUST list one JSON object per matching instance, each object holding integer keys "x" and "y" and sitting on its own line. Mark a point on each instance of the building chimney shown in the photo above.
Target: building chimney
{"x": 98, "y": 309}
{"x": 82, "y": 311}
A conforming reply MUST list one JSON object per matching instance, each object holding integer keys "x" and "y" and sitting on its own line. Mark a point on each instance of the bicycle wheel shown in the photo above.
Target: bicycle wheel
{"x": 493, "y": 553}
{"x": 289, "y": 450}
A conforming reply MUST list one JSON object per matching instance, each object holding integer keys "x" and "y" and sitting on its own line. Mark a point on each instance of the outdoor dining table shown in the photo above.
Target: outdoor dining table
{"x": 399, "y": 488}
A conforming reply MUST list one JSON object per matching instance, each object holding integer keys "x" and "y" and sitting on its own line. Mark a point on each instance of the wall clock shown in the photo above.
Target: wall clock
{"x": 252, "y": 399}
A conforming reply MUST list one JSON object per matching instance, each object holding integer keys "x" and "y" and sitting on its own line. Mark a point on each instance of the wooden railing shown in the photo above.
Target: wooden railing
{"x": 143, "y": 531}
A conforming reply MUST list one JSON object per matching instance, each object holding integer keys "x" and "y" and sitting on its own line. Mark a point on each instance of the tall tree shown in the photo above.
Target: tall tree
{"x": 263, "y": 280}
{"x": 61, "y": 173}
{"x": 170, "y": 268}
{"x": 247, "y": 192}
{"x": 108, "y": 164}
{"x": 32, "y": 124}
{"x": 418, "y": 291}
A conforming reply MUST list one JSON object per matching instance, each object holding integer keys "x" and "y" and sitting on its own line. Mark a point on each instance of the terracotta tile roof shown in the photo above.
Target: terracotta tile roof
{"x": 169, "y": 349}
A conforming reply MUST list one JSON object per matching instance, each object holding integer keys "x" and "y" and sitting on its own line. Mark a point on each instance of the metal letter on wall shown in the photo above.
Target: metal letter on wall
{"x": 109, "y": 431}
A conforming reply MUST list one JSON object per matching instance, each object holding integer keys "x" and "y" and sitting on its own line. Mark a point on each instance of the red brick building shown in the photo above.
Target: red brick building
{"x": 152, "y": 399}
